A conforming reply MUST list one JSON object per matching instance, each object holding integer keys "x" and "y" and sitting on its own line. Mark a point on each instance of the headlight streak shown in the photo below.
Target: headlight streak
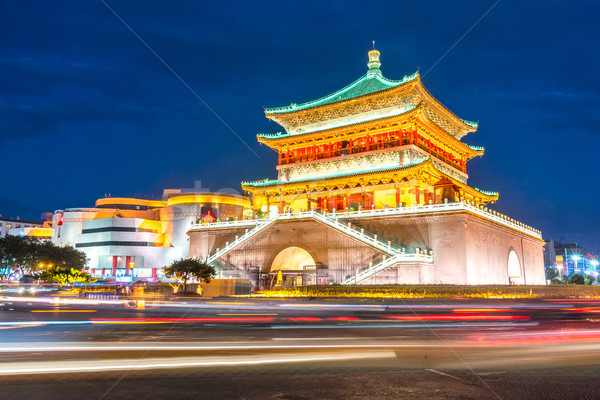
{"x": 112, "y": 347}
{"x": 160, "y": 363}
{"x": 62, "y": 301}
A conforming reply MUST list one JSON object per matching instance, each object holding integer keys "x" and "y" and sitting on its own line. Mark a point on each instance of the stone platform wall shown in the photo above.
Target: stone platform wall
{"x": 467, "y": 249}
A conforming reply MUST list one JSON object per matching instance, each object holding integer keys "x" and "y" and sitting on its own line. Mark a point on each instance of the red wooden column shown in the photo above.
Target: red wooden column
{"x": 114, "y": 266}
{"x": 397, "y": 196}
{"x": 416, "y": 195}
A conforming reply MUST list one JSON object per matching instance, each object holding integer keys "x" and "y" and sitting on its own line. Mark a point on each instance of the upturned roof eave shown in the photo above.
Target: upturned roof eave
{"x": 271, "y": 113}
{"x": 346, "y": 175}
{"x": 276, "y": 140}
{"x": 426, "y": 163}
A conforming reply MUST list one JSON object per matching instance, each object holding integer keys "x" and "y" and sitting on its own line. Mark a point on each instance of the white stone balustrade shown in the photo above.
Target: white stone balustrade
{"x": 412, "y": 210}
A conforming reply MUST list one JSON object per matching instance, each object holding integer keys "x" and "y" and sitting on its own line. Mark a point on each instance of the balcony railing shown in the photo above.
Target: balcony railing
{"x": 380, "y": 212}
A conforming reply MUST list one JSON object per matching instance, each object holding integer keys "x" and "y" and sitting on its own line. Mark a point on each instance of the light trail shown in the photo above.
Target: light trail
{"x": 438, "y": 325}
{"x": 178, "y": 320}
{"x": 57, "y": 367}
{"x": 453, "y": 317}
{"x": 62, "y": 301}
{"x": 116, "y": 346}
{"x": 244, "y": 314}
{"x": 62, "y": 311}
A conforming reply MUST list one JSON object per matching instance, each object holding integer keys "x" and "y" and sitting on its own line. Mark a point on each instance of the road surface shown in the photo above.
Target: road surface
{"x": 298, "y": 349}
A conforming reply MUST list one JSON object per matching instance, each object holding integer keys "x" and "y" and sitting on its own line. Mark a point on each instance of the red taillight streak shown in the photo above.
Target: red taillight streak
{"x": 304, "y": 319}
{"x": 451, "y": 317}
{"x": 166, "y": 320}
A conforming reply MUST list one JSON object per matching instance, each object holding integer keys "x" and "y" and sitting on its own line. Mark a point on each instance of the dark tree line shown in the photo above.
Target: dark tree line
{"x": 30, "y": 256}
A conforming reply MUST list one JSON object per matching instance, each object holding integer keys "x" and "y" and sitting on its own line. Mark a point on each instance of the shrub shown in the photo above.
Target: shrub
{"x": 576, "y": 279}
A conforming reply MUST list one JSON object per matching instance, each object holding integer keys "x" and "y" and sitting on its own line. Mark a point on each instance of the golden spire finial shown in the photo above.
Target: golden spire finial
{"x": 374, "y": 63}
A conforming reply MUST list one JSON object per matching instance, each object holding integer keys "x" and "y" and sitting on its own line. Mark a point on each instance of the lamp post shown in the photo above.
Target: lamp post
{"x": 595, "y": 263}
{"x": 575, "y": 258}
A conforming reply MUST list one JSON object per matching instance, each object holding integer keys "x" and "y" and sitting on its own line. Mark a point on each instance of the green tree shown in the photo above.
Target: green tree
{"x": 27, "y": 255}
{"x": 190, "y": 268}
{"x": 66, "y": 257}
{"x": 558, "y": 280}
{"x": 17, "y": 255}
{"x": 576, "y": 279}
{"x": 65, "y": 276}
{"x": 551, "y": 273}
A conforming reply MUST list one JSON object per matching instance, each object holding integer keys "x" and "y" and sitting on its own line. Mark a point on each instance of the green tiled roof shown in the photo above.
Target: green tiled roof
{"x": 275, "y": 135}
{"x": 279, "y": 135}
{"x": 470, "y": 123}
{"x": 487, "y": 192}
{"x": 372, "y": 82}
{"x": 275, "y": 182}
{"x": 476, "y": 148}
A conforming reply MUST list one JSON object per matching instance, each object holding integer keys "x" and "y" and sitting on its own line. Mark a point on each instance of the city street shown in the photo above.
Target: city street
{"x": 288, "y": 349}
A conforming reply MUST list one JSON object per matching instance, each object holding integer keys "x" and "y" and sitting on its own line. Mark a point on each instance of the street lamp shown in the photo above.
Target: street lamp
{"x": 575, "y": 258}
{"x": 595, "y": 263}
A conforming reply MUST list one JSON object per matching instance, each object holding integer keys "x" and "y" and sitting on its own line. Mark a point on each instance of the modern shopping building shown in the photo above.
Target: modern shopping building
{"x": 371, "y": 187}
{"x": 131, "y": 239}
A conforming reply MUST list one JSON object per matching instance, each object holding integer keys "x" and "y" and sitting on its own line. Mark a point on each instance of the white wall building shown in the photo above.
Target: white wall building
{"x": 130, "y": 239}
{"x": 18, "y": 227}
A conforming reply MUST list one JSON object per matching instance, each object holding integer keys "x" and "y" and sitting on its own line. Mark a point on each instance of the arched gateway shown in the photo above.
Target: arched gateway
{"x": 514, "y": 268}
{"x": 292, "y": 259}
{"x": 290, "y": 266}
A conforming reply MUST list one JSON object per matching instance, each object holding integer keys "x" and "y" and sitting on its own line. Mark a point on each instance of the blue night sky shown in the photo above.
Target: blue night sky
{"x": 87, "y": 109}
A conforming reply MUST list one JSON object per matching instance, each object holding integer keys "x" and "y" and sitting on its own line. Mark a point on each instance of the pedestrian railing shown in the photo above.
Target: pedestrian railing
{"x": 239, "y": 240}
{"x": 366, "y": 237}
{"x": 387, "y": 263}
